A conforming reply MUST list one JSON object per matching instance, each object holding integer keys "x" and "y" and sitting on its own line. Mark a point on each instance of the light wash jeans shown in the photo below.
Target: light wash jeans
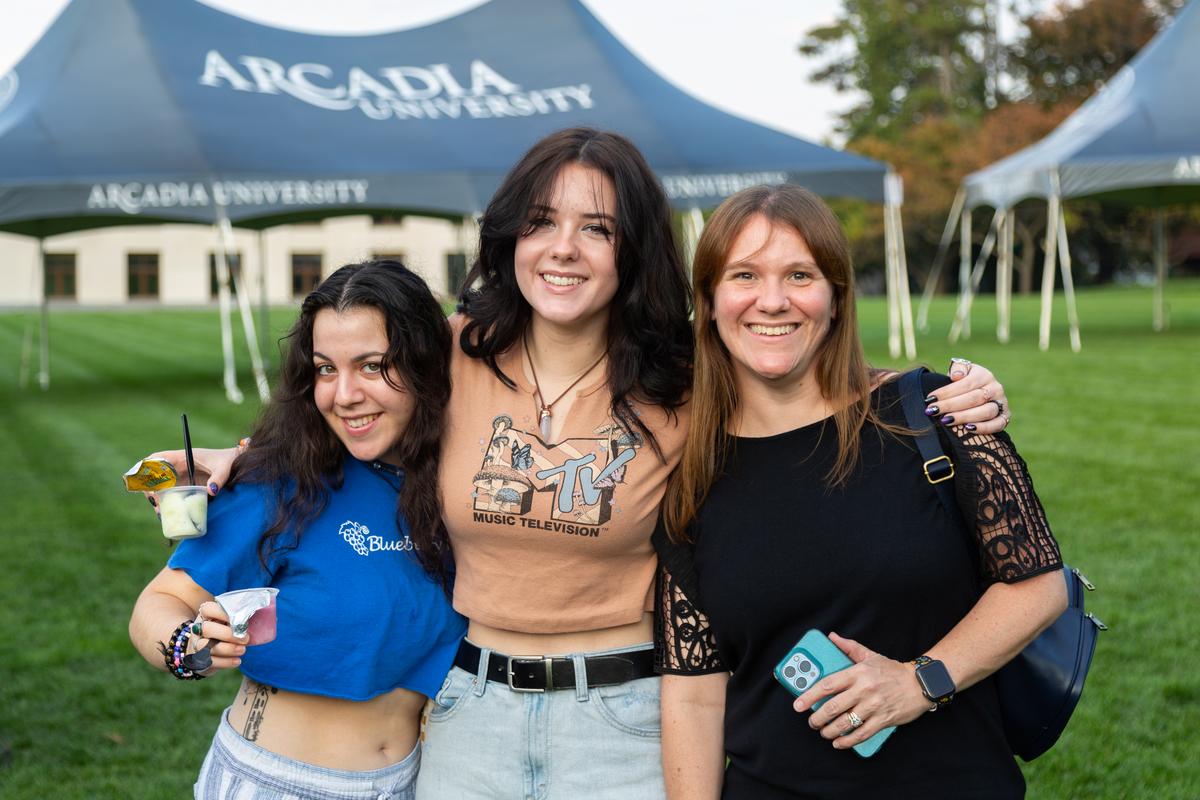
{"x": 236, "y": 769}
{"x": 484, "y": 740}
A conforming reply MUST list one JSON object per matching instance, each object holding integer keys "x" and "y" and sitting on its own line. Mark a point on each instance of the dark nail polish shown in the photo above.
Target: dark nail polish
{"x": 931, "y": 399}
{"x": 213, "y": 489}
{"x": 947, "y": 420}
{"x": 153, "y": 502}
{"x": 932, "y": 411}
{"x": 970, "y": 426}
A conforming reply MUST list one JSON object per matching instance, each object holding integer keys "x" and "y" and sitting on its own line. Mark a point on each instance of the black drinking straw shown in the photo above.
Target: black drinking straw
{"x": 187, "y": 449}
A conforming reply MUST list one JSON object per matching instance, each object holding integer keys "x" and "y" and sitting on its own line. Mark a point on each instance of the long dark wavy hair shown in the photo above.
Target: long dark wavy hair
{"x": 293, "y": 448}
{"x": 649, "y": 336}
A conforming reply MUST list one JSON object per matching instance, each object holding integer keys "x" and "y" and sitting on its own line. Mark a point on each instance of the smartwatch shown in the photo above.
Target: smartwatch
{"x": 935, "y": 681}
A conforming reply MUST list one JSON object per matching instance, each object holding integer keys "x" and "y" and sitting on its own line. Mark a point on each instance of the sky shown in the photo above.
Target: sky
{"x": 738, "y": 56}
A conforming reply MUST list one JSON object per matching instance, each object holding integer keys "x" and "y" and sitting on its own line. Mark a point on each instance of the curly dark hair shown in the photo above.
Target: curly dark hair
{"x": 292, "y": 447}
{"x": 649, "y": 335}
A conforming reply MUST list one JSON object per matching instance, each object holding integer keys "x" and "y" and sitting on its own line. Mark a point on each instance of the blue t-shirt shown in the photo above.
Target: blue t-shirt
{"x": 357, "y": 614}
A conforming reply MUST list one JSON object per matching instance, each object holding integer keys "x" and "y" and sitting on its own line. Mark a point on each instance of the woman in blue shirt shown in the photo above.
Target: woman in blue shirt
{"x": 336, "y": 507}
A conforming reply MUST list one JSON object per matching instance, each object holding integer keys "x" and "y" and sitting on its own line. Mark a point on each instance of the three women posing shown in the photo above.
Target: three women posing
{"x": 571, "y": 370}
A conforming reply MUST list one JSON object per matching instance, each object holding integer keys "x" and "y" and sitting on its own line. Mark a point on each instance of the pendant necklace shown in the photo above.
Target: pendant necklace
{"x": 545, "y": 410}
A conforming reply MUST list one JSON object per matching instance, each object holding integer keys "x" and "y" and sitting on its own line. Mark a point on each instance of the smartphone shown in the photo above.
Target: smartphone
{"x": 814, "y": 657}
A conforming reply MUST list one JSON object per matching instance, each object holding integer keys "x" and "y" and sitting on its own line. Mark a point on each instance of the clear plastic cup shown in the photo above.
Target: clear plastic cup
{"x": 251, "y": 612}
{"x": 183, "y": 511}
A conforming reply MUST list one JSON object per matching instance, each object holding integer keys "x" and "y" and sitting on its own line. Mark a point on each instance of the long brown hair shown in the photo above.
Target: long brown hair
{"x": 843, "y": 375}
{"x": 294, "y": 452}
{"x": 649, "y": 341}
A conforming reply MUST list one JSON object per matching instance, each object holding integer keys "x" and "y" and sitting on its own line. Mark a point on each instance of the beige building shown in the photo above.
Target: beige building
{"x": 173, "y": 265}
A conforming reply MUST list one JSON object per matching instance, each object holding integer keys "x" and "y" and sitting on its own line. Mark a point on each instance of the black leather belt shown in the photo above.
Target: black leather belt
{"x": 541, "y": 673}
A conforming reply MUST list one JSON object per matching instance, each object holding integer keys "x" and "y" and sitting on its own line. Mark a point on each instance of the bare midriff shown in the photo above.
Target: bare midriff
{"x": 516, "y": 643}
{"x": 328, "y": 731}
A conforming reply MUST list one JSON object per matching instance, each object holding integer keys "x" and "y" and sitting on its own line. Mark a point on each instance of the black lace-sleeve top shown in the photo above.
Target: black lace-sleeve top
{"x": 777, "y": 552}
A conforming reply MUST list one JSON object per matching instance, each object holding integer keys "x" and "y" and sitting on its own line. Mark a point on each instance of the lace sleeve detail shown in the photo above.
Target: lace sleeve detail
{"x": 1015, "y": 541}
{"x": 684, "y": 643}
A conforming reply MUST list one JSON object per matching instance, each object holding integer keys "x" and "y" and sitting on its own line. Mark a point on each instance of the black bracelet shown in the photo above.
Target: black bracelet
{"x": 173, "y": 650}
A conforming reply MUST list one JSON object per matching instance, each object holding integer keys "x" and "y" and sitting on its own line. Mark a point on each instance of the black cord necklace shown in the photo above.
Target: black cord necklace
{"x": 545, "y": 410}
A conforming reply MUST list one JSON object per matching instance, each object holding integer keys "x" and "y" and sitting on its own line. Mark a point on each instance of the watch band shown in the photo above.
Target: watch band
{"x": 938, "y": 701}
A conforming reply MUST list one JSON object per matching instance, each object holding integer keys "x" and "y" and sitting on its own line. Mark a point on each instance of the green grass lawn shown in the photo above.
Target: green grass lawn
{"x": 1110, "y": 435}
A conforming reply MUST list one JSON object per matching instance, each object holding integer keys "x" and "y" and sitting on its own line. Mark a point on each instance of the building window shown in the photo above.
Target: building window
{"x": 306, "y": 273}
{"x": 143, "y": 275}
{"x": 60, "y": 275}
{"x": 456, "y": 272}
{"x": 235, "y": 265}
{"x": 390, "y": 257}
{"x": 387, "y": 218}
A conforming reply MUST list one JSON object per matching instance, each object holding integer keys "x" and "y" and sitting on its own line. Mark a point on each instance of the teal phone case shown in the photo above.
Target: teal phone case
{"x": 814, "y": 657}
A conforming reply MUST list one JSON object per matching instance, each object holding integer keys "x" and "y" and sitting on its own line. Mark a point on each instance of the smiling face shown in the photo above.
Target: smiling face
{"x": 772, "y": 306}
{"x": 566, "y": 263}
{"x": 366, "y": 412}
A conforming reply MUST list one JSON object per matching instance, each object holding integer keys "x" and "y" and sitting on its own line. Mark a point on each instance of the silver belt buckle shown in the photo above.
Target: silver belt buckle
{"x": 547, "y": 660}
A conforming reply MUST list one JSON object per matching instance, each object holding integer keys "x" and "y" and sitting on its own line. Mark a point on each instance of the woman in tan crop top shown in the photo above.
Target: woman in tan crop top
{"x": 568, "y": 411}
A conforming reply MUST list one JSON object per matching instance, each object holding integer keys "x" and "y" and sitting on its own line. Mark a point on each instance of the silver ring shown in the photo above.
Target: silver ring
{"x": 966, "y": 365}
{"x": 999, "y": 407}
{"x": 855, "y": 720}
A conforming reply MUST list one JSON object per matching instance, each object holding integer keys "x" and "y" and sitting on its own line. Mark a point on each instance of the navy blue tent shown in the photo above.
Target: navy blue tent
{"x": 140, "y": 110}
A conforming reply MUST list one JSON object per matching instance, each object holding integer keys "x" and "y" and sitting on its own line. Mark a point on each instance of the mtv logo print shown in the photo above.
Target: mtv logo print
{"x": 355, "y": 535}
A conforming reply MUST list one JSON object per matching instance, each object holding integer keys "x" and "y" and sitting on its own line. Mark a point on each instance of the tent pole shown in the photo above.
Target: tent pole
{"x": 906, "y": 319}
{"x": 890, "y": 281}
{"x": 693, "y": 226}
{"x": 263, "y": 304}
{"x": 1064, "y": 260}
{"x": 964, "y": 266}
{"x": 44, "y": 368}
{"x": 962, "y": 319}
{"x": 225, "y": 229}
{"x": 229, "y": 377}
{"x": 892, "y": 196}
{"x": 1004, "y": 279}
{"x": 939, "y": 261}
{"x": 1160, "y": 271}
{"x": 26, "y": 353}
{"x": 1048, "y": 272}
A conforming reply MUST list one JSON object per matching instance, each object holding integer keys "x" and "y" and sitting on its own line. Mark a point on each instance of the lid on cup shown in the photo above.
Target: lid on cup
{"x": 150, "y": 475}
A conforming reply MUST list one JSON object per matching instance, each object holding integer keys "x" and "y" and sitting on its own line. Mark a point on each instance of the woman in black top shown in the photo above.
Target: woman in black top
{"x": 801, "y": 503}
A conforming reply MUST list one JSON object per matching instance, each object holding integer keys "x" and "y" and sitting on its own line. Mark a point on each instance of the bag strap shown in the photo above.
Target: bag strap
{"x": 938, "y": 468}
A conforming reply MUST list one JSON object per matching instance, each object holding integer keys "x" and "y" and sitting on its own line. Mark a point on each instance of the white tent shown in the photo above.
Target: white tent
{"x": 1136, "y": 141}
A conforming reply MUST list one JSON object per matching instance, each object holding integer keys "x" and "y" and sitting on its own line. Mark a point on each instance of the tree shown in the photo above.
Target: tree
{"x": 912, "y": 59}
{"x": 1073, "y": 50}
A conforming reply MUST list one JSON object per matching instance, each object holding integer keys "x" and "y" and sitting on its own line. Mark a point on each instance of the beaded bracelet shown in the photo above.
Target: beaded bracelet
{"x": 173, "y": 651}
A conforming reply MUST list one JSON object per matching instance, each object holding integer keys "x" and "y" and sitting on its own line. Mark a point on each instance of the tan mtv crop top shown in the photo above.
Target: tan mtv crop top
{"x": 550, "y": 537}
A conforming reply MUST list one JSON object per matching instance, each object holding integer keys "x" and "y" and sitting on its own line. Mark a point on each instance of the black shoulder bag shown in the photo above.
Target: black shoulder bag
{"x": 1040, "y": 687}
